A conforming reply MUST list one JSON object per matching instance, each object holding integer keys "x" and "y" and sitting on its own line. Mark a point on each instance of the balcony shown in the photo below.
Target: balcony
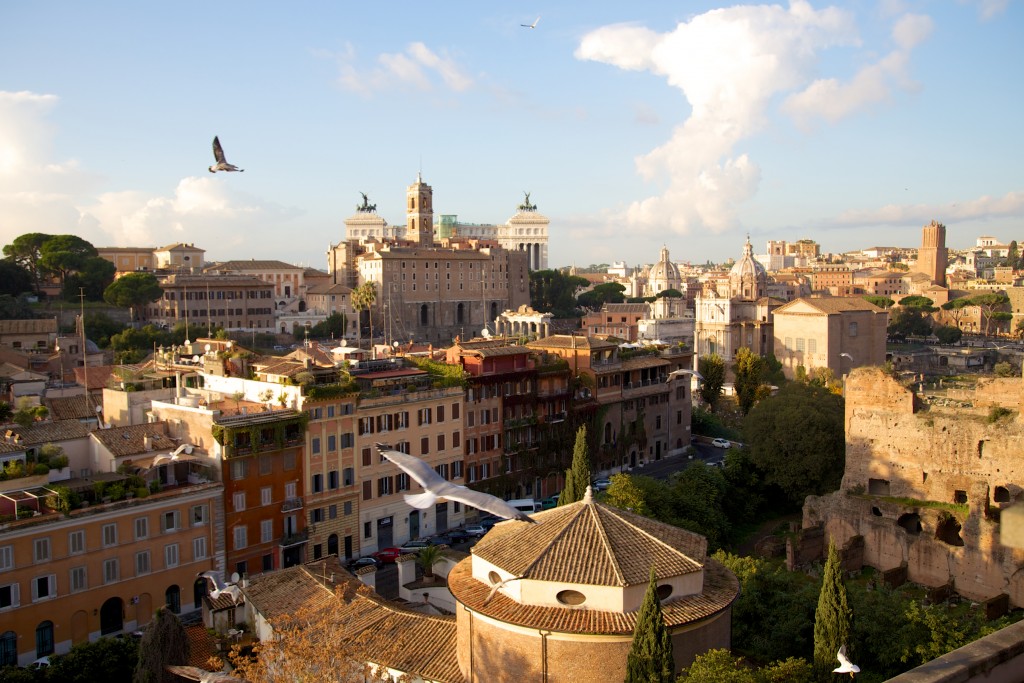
{"x": 290, "y": 504}
{"x": 643, "y": 388}
{"x": 295, "y": 538}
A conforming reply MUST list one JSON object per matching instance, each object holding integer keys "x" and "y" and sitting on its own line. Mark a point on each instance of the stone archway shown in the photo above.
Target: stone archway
{"x": 112, "y": 616}
{"x": 79, "y": 627}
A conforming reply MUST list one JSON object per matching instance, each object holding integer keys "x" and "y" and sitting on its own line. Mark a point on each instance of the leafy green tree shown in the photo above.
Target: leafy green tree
{"x": 796, "y": 441}
{"x": 552, "y": 291}
{"x": 699, "y": 495}
{"x": 718, "y": 666}
{"x": 64, "y": 254}
{"x": 577, "y": 477}
{"x": 712, "y": 369}
{"x": 671, "y": 292}
{"x": 25, "y": 250}
{"x": 91, "y": 279}
{"x": 921, "y": 303}
{"x": 15, "y": 308}
{"x": 880, "y": 301}
{"x": 833, "y": 620}
{"x": 906, "y": 322}
{"x": 133, "y": 290}
{"x": 335, "y": 327}
{"x": 955, "y": 308}
{"x": 650, "y": 657}
{"x": 101, "y": 327}
{"x": 624, "y": 494}
{"x": 164, "y": 642}
{"x": 14, "y": 278}
{"x": 427, "y": 558}
{"x": 605, "y": 293}
{"x": 107, "y": 659}
{"x": 749, "y": 369}
{"x": 947, "y": 334}
{"x": 989, "y": 304}
{"x": 1000, "y": 317}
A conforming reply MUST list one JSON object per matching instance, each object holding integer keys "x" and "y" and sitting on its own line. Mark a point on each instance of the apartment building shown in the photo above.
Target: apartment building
{"x": 233, "y": 302}
{"x": 332, "y": 498}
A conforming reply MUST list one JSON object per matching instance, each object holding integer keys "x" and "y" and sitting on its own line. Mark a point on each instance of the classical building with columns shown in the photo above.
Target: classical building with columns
{"x": 523, "y": 322}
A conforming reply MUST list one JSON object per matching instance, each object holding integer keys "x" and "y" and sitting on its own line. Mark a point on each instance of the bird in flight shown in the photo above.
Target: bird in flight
{"x": 845, "y": 665}
{"x": 222, "y": 163}
{"x": 533, "y": 25}
{"x": 435, "y": 486}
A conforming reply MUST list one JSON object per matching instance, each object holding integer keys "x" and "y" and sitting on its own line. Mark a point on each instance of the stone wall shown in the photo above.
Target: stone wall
{"x": 959, "y": 470}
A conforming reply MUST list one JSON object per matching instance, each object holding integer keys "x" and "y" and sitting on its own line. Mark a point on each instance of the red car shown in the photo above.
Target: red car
{"x": 387, "y": 554}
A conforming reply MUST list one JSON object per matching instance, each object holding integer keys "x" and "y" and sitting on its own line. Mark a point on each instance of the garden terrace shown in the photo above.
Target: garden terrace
{"x": 256, "y": 432}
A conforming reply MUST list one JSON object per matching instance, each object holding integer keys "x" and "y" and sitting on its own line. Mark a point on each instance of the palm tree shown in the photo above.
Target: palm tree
{"x": 427, "y": 558}
{"x": 363, "y": 298}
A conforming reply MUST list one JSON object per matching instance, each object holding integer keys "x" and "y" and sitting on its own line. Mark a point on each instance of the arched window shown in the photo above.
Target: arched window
{"x": 424, "y": 315}
{"x": 9, "y": 649}
{"x": 199, "y": 590}
{"x": 459, "y": 311}
{"x": 44, "y": 639}
{"x": 112, "y": 616}
{"x": 173, "y": 599}
{"x": 332, "y": 544}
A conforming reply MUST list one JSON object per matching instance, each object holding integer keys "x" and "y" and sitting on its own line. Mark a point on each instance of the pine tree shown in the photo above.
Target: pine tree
{"x": 833, "y": 620}
{"x": 650, "y": 657}
{"x": 577, "y": 478}
{"x": 163, "y": 643}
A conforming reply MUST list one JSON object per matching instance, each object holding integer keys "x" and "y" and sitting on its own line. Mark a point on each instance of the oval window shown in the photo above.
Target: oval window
{"x": 571, "y": 597}
{"x": 664, "y": 590}
{"x": 493, "y": 577}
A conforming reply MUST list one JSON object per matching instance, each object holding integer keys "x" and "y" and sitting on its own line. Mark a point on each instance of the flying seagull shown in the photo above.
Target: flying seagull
{"x": 533, "y": 25}
{"x": 435, "y": 486}
{"x": 220, "y": 587}
{"x": 222, "y": 163}
{"x": 675, "y": 374}
{"x": 845, "y": 665}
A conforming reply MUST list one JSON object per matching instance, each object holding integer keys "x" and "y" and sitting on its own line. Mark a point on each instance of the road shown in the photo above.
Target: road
{"x": 661, "y": 469}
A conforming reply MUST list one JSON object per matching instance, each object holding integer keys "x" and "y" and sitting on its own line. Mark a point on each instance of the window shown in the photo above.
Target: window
{"x": 44, "y": 639}
{"x": 402, "y": 482}
{"x": 425, "y": 445}
{"x": 423, "y": 416}
{"x": 455, "y": 411}
{"x": 238, "y": 501}
{"x": 316, "y": 515}
{"x": 109, "y": 535}
{"x": 456, "y": 443}
{"x": 7, "y": 556}
{"x": 800, "y": 344}
{"x": 289, "y": 460}
{"x": 347, "y": 440}
{"x": 316, "y": 445}
{"x": 241, "y": 540}
{"x": 171, "y": 555}
{"x": 266, "y": 530}
{"x": 266, "y": 464}
{"x": 76, "y": 545}
{"x": 9, "y": 596}
{"x": 812, "y": 346}
{"x": 199, "y": 514}
{"x": 367, "y": 489}
{"x": 347, "y": 508}
{"x": 142, "y": 563}
{"x": 457, "y": 469}
{"x": 110, "y": 571}
{"x": 332, "y": 479}
{"x": 440, "y": 442}
{"x": 141, "y": 528}
{"x": 852, "y": 329}
{"x": 332, "y": 443}
{"x": 9, "y": 649}
{"x": 384, "y": 486}
{"x": 170, "y": 521}
{"x": 199, "y": 548}
{"x": 318, "y": 483}
{"x": 348, "y": 476}
{"x": 440, "y": 413}
{"x": 366, "y": 457}
{"x": 266, "y": 495}
{"x": 78, "y": 579}
{"x": 367, "y": 530}
{"x": 239, "y": 469}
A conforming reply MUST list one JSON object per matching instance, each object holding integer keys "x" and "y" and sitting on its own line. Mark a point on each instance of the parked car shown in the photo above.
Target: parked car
{"x": 387, "y": 554}
{"x": 549, "y": 502}
{"x": 721, "y": 443}
{"x": 488, "y": 521}
{"x": 476, "y": 530}
{"x": 414, "y": 547}
{"x": 360, "y": 562}
{"x": 451, "y": 537}
{"x": 601, "y": 484}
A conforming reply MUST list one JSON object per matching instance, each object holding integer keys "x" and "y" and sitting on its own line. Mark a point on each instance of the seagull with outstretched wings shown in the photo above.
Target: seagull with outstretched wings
{"x": 222, "y": 163}
{"x": 533, "y": 25}
{"x": 845, "y": 665}
{"x": 435, "y": 487}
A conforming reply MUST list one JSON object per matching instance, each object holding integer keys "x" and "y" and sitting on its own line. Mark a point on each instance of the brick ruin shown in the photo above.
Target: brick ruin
{"x": 908, "y": 452}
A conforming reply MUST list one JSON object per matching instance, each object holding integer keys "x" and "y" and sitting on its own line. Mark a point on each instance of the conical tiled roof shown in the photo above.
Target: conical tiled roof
{"x": 592, "y": 543}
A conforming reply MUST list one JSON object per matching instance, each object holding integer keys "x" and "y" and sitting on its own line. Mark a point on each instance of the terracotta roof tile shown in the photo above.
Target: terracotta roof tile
{"x": 31, "y": 326}
{"x": 566, "y": 341}
{"x": 130, "y": 440}
{"x": 50, "y": 432}
{"x": 71, "y": 408}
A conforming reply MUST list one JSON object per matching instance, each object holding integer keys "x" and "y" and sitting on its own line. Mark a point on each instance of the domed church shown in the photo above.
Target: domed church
{"x": 558, "y": 600}
{"x": 736, "y": 311}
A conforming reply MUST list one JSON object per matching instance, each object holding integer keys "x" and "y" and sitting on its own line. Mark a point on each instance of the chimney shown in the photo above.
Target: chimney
{"x": 147, "y": 442}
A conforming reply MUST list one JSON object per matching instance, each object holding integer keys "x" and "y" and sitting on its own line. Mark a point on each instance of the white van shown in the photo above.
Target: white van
{"x": 527, "y": 505}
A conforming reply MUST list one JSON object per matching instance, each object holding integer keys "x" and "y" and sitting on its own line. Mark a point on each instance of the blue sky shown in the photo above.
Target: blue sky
{"x": 632, "y": 125}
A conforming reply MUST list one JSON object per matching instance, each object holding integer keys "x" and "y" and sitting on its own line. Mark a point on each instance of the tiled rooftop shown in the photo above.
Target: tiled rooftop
{"x": 130, "y": 440}
{"x": 71, "y": 408}
{"x": 50, "y": 432}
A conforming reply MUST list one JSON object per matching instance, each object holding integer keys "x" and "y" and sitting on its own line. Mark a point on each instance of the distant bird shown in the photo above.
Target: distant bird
{"x": 845, "y": 665}
{"x": 533, "y": 25}
{"x": 222, "y": 163}
{"x": 435, "y": 486}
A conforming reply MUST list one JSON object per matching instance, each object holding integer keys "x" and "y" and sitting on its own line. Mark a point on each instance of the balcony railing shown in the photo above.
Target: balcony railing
{"x": 290, "y": 504}
{"x": 295, "y": 538}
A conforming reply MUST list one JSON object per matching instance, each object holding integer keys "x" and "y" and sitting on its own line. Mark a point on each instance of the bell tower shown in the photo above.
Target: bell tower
{"x": 419, "y": 208}
{"x": 933, "y": 256}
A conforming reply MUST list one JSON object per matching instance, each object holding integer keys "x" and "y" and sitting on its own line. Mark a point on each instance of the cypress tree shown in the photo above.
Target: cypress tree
{"x": 833, "y": 620}
{"x": 164, "y": 642}
{"x": 650, "y": 657}
{"x": 577, "y": 478}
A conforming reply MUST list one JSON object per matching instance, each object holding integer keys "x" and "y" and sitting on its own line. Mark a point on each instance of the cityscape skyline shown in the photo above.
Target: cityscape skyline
{"x": 834, "y": 123}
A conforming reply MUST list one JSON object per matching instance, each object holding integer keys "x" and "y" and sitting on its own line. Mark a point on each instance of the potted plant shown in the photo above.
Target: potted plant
{"x": 427, "y": 558}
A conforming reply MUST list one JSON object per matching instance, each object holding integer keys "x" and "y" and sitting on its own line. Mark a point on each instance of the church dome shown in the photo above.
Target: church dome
{"x": 664, "y": 274}
{"x": 748, "y": 279}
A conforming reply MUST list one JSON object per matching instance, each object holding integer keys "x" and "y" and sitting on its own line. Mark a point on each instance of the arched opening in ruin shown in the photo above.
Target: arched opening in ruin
{"x": 878, "y": 487}
{"x": 911, "y": 523}
{"x": 875, "y": 511}
{"x": 960, "y": 497}
{"x": 1001, "y": 495}
{"x": 948, "y": 531}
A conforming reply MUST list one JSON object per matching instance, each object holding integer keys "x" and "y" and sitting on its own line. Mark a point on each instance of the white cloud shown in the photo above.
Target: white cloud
{"x": 981, "y": 208}
{"x": 41, "y": 194}
{"x": 730, "y": 64}
{"x": 418, "y": 66}
{"x": 989, "y": 9}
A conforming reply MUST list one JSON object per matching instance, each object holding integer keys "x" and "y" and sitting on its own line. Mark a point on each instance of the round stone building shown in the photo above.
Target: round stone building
{"x": 557, "y": 600}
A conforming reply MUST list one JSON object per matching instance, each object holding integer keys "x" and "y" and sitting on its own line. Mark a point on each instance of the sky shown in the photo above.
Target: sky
{"x": 632, "y": 125}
